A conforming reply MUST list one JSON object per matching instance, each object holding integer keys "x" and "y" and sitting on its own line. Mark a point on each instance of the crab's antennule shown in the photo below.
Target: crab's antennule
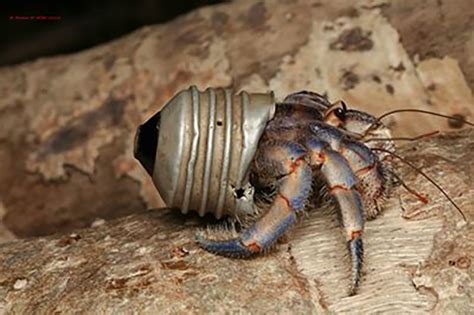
{"x": 425, "y": 176}
{"x": 413, "y": 110}
{"x": 426, "y": 135}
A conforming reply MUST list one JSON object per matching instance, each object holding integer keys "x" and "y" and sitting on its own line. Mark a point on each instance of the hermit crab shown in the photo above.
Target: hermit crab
{"x": 236, "y": 154}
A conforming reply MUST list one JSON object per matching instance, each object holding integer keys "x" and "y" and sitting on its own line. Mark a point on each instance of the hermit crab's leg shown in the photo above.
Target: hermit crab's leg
{"x": 373, "y": 181}
{"x": 278, "y": 159}
{"x": 342, "y": 182}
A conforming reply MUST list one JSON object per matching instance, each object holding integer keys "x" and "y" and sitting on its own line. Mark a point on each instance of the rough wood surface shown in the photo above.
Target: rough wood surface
{"x": 417, "y": 261}
{"x": 67, "y": 123}
{"x": 66, "y": 132}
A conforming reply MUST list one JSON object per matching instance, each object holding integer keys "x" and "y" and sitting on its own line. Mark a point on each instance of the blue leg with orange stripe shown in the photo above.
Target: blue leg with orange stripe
{"x": 286, "y": 161}
{"x": 342, "y": 182}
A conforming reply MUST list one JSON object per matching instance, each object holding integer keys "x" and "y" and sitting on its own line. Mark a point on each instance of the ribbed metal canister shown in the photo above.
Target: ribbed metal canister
{"x": 206, "y": 143}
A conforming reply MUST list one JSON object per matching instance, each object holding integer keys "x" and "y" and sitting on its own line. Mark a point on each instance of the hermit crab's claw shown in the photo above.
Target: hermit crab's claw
{"x": 357, "y": 124}
{"x": 373, "y": 133}
{"x": 146, "y": 142}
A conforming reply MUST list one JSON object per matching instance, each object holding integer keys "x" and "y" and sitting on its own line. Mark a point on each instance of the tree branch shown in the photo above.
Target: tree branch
{"x": 148, "y": 262}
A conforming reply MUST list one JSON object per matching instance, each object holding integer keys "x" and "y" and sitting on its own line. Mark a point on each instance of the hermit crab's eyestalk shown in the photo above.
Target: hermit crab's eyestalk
{"x": 199, "y": 147}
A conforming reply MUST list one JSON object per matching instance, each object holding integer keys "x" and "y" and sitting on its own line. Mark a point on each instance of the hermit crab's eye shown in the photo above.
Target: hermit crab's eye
{"x": 340, "y": 113}
{"x": 337, "y": 114}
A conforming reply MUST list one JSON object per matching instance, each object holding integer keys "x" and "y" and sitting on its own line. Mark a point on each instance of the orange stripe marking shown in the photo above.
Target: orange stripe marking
{"x": 295, "y": 164}
{"x": 254, "y": 247}
{"x": 365, "y": 169}
{"x": 285, "y": 199}
{"x": 338, "y": 187}
{"x": 356, "y": 234}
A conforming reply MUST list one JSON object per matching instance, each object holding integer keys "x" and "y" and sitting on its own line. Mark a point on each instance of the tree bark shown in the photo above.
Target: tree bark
{"x": 67, "y": 123}
{"x": 417, "y": 259}
{"x": 66, "y": 135}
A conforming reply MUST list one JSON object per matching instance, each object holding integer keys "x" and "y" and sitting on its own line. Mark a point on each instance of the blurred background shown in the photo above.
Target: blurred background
{"x": 32, "y": 28}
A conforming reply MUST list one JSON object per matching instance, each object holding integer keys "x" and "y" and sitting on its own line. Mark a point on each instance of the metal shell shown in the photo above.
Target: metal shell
{"x": 206, "y": 143}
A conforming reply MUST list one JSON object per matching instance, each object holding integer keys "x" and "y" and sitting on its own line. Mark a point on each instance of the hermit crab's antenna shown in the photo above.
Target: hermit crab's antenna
{"x": 413, "y": 110}
{"x": 425, "y": 176}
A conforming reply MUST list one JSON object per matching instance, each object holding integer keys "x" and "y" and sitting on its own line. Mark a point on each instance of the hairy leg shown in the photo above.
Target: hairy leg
{"x": 278, "y": 161}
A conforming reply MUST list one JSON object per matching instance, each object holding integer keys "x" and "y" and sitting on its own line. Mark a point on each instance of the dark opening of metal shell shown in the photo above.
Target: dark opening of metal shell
{"x": 146, "y": 142}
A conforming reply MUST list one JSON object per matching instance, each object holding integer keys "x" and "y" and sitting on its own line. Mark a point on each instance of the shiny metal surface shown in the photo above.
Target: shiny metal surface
{"x": 206, "y": 143}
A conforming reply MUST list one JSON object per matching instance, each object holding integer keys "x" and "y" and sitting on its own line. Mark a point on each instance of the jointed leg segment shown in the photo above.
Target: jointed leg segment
{"x": 342, "y": 183}
{"x": 372, "y": 184}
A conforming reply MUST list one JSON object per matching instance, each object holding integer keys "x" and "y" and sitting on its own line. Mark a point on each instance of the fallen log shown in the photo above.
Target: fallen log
{"x": 418, "y": 258}
{"x": 67, "y": 123}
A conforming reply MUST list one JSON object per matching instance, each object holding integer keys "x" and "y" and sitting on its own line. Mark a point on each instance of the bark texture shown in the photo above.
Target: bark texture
{"x": 418, "y": 258}
{"x": 66, "y": 134}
